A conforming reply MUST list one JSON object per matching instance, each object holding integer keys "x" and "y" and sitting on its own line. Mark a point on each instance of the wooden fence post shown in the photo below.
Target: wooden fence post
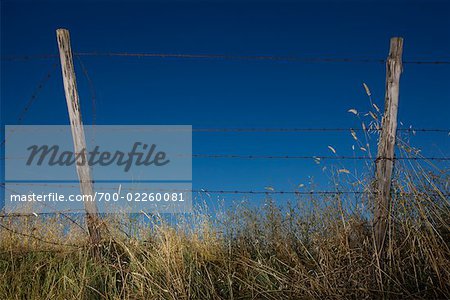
{"x": 79, "y": 142}
{"x": 385, "y": 157}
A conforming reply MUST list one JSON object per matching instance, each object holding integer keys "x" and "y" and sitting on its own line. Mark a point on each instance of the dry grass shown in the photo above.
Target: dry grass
{"x": 315, "y": 248}
{"x": 319, "y": 250}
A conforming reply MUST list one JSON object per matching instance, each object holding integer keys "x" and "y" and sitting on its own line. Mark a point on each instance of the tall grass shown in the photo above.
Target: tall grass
{"x": 314, "y": 247}
{"x": 320, "y": 250}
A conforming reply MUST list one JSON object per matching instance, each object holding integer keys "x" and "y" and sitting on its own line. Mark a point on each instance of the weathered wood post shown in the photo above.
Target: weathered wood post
{"x": 79, "y": 142}
{"x": 385, "y": 157}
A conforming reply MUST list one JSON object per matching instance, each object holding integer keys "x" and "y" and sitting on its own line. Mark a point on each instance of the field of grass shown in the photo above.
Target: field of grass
{"x": 317, "y": 247}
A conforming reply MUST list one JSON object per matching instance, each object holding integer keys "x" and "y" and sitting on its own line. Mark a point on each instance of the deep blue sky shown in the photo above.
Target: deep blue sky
{"x": 223, "y": 93}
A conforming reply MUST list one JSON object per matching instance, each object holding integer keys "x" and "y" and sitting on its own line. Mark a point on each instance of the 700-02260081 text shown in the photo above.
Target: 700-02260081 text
{"x": 141, "y": 197}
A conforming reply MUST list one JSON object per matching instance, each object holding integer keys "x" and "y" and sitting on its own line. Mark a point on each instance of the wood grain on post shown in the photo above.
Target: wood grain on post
{"x": 79, "y": 142}
{"x": 386, "y": 146}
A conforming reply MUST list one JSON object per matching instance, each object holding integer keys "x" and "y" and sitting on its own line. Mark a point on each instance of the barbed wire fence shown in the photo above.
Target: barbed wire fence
{"x": 231, "y": 130}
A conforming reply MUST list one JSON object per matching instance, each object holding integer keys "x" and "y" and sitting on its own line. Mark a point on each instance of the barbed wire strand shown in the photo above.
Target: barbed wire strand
{"x": 311, "y": 157}
{"x": 445, "y": 130}
{"x": 274, "y": 130}
{"x": 211, "y": 191}
{"x": 227, "y": 57}
{"x": 237, "y": 156}
{"x": 33, "y": 97}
